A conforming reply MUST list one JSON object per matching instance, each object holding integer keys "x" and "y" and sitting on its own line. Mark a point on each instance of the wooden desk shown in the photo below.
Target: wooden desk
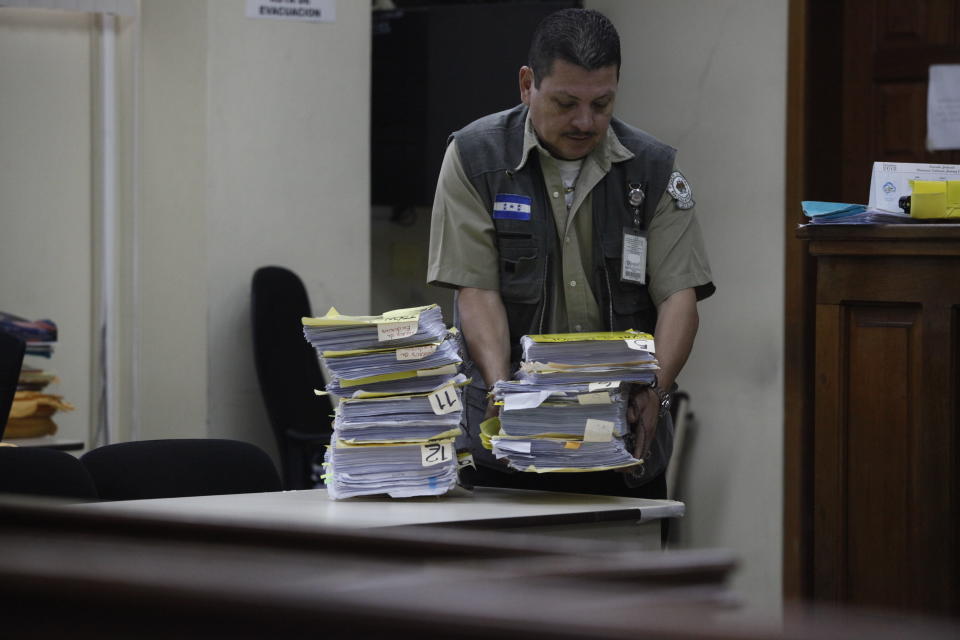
{"x": 631, "y": 521}
{"x": 883, "y": 471}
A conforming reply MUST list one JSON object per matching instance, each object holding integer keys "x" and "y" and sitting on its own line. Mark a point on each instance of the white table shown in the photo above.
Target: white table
{"x": 633, "y": 521}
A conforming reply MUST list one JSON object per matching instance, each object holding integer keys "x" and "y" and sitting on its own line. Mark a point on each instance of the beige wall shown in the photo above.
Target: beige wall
{"x": 46, "y": 190}
{"x": 255, "y": 151}
{"x": 710, "y": 79}
{"x": 242, "y": 143}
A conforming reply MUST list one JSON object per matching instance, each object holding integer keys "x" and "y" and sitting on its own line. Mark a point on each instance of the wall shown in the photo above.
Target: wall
{"x": 710, "y": 79}
{"x": 45, "y": 190}
{"x": 288, "y": 182}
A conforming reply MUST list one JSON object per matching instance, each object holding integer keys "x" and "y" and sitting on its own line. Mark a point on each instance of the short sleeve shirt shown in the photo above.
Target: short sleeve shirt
{"x": 463, "y": 247}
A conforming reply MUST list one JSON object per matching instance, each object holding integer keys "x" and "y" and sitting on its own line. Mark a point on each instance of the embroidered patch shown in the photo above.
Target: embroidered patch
{"x": 508, "y": 206}
{"x": 680, "y": 190}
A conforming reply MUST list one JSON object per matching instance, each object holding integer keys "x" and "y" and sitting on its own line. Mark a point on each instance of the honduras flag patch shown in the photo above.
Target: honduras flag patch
{"x": 507, "y": 206}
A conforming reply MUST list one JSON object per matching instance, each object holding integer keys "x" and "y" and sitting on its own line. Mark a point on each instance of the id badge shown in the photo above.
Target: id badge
{"x": 634, "y": 261}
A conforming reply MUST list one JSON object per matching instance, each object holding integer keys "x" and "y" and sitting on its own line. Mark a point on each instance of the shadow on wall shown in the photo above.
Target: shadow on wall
{"x": 398, "y": 271}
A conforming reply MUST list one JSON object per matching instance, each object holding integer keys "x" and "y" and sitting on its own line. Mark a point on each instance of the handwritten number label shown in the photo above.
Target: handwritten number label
{"x": 433, "y": 453}
{"x": 641, "y": 344}
{"x": 444, "y": 401}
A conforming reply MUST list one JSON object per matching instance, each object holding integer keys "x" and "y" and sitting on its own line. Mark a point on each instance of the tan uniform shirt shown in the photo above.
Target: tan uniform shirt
{"x": 463, "y": 247}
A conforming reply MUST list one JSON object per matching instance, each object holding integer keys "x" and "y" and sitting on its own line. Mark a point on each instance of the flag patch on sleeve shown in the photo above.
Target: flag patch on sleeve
{"x": 507, "y": 206}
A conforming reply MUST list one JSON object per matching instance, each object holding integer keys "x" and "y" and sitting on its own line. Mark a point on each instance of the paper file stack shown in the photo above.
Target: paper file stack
{"x": 566, "y": 411}
{"x": 397, "y": 377}
{"x": 33, "y": 409}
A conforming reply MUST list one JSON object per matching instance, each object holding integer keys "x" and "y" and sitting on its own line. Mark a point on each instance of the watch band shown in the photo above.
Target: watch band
{"x": 664, "y": 396}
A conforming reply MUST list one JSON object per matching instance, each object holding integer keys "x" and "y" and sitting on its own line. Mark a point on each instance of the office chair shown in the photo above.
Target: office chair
{"x": 179, "y": 467}
{"x": 11, "y": 360}
{"x": 288, "y": 371}
{"x": 44, "y": 472}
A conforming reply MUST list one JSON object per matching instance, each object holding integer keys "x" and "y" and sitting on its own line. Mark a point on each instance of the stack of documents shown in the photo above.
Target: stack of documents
{"x": 566, "y": 411}
{"x": 625, "y": 356}
{"x": 400, "y": 389}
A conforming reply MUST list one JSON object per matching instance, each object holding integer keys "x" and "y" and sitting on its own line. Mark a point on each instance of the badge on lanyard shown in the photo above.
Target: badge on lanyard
{"x": 633, "y": 262}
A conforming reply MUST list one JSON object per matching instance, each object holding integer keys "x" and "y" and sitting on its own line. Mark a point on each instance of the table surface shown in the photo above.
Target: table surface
{"x": 48, "y": 442}
{"x": 482, "y": 506}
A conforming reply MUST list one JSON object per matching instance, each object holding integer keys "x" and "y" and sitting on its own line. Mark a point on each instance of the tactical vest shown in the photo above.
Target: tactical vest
{"x": 530, "y": 253}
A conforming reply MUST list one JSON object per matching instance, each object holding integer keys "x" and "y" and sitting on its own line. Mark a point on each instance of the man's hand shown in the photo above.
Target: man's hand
{"x": 643, "y": 413}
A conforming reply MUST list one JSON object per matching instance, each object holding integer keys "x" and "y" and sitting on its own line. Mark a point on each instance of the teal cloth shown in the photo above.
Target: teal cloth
{"x": 817, "y": 209}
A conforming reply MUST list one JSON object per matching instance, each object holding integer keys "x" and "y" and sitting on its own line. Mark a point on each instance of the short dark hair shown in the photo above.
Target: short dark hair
{"x": 583, "y": 37}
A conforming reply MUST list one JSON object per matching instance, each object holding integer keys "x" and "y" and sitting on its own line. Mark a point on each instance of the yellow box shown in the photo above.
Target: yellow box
{"x": 935, "y": 199}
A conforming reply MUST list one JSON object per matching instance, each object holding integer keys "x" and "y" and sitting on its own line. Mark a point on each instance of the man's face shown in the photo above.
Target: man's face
{"x": 572, "y": 107}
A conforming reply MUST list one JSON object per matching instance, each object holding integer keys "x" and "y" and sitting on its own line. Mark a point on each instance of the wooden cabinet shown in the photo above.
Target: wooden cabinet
{"x": 885, "y": 472}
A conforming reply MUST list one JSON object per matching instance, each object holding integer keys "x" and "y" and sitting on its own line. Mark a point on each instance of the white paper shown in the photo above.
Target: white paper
{"x": 396, "y": 330}
{"x": 594, "y": 398}
{"x": 891, "y": 180}
{"x": 433, "y": 453}
{"x": 416, "y": 353}
{"x": 597, "y": 386}
{"x": 943, "y": 107}
{"x": 300, "y": 10}
{"x": 514, "y": 401}
{"x": 515, "y": 446}
{"x": 444, "y": 400}
{"x": 598, "y": 431}
{"x": 641, "y": 344}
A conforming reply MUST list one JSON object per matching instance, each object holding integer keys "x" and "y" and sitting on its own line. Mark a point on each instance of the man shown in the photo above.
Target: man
{"x": 556, "y": 217}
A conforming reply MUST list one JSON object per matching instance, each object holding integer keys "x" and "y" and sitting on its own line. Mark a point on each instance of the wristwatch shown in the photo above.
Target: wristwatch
{"x": 666, "y": 399}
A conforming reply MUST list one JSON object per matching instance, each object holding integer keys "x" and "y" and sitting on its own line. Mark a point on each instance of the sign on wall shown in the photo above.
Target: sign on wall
{"x": 302, "y": 10}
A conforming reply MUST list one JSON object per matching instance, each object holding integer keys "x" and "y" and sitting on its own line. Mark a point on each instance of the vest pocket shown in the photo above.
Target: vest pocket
{"x": 520, "y": 272}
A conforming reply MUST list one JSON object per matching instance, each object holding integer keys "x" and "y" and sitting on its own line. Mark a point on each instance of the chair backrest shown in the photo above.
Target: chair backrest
{"x": 44, "y": 472}
{"x": 179, "y": 467}
{"x": 11, "y": 360}
{"x": 286, "y": 363}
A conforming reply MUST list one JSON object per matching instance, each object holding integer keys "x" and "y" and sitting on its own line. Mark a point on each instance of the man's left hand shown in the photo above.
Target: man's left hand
{"x": 643, "y": 413}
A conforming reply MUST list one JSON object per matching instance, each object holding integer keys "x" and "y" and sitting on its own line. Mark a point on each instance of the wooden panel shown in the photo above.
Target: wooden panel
{"x": 902, "y": 114}
{"x": 883, "y": 355}
{"x": 908, "y": 24}
{"x": 829, "y": 492}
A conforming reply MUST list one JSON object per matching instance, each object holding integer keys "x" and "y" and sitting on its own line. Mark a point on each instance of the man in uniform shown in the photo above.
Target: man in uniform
{"x": 556, "y": 217}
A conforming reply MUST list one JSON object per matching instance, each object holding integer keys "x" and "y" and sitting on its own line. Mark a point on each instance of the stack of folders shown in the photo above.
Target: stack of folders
{"x": 566, "y": 411}
{"x": 397, "y": 377}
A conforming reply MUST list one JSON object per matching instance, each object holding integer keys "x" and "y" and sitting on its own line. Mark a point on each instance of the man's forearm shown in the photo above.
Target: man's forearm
{"x": 677, "y": 324}
{"x": 483, "y": 320}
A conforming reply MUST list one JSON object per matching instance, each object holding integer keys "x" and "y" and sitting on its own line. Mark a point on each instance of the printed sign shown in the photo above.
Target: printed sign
{"x": 300, "y": 10}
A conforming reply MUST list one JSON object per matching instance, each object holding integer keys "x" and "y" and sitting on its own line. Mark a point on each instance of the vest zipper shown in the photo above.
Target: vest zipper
{"x": 606, "y": 278}
{"x": 543, "y": 306}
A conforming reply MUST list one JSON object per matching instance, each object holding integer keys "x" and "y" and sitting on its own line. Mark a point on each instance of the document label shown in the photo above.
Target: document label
{"x": 433, "y": 453}
{"x": 598, "y": 430}
{"x": 396, "y": 330}
{"x": 597, "y": 386}
{"x": 465, "y": 460}
{"x": 416, "y": 353}
{"x": 444, "y": 401}
{"x": 601, "y": 397}
{"x": 633, "y": 266}
{"x": 642, "y": 344}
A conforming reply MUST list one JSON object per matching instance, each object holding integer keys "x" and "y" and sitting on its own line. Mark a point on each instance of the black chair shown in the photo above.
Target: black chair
{"x": 288, "y": 371}
{"x": 179, "y": 467}
{"x": 44, "y": 472}
{"x": 11, "y": 360}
